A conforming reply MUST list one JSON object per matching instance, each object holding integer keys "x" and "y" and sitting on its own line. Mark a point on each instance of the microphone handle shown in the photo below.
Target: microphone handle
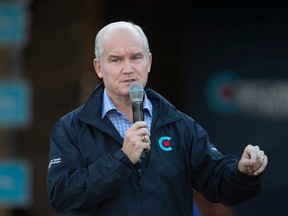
{"x": 138, "y": 115}
{"x": 137, "y": 111}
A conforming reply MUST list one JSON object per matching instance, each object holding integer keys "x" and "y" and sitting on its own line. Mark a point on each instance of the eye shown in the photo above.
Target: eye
{"x": 137, "y": 57}
{"x": 115, "y": 60}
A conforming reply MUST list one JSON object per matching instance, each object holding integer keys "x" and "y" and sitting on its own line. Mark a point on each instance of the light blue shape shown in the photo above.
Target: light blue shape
{"x": 15, "y": 183}
{"x": 13, "y": 23}
{"x": 15, "y": 103}
{"x": 212, "y": 91}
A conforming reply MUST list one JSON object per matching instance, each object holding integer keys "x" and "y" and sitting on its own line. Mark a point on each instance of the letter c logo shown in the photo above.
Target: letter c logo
{"x": 164, "y": 143}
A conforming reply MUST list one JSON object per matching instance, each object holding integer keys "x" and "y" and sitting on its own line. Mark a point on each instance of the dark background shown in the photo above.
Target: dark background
{"x": 250, "y": 40}
{"x": 190, "y": 42}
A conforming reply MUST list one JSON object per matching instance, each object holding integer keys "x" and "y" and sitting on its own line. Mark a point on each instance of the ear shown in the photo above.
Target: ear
{"x": 150, "y": 62}
{"x": 98, "y": 68}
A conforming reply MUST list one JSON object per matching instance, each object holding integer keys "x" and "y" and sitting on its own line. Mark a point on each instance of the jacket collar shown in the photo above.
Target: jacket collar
{"x": 92, "y": 109}
{"x": 163, "y": 111}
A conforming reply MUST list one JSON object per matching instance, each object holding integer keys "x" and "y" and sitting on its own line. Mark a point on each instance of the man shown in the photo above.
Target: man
{"x": 95, "y": 166}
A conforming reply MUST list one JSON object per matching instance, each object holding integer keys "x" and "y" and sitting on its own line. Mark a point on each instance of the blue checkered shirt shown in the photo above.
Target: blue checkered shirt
{"x": 118, "y": 119}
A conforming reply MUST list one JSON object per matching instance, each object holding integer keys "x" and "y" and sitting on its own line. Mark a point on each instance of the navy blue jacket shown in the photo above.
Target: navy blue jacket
{"x": 88, "y": 174}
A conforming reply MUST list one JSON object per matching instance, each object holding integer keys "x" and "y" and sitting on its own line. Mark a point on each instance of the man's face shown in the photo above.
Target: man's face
{"x": 124, "y": 61}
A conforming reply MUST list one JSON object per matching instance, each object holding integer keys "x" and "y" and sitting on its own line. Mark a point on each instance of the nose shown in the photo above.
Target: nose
{"x": 127, "y": 67}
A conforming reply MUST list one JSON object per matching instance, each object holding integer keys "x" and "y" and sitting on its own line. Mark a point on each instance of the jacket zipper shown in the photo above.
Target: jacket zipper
{"x": 139, "y": 174}
{"x": 139, "y": 183}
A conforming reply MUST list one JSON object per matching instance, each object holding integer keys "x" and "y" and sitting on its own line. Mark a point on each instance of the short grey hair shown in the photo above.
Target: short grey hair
{"x": 119, "y": 24}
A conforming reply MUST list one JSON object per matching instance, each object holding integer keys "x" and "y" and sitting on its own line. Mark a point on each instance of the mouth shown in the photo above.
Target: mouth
{"x": 129, "y": 81}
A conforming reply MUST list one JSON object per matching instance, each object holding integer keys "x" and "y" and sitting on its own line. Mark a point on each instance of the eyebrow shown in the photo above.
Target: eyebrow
{"x": 119, "y": 55}
{"x": 114, "y": 56}
{"x": 139, "y": 53}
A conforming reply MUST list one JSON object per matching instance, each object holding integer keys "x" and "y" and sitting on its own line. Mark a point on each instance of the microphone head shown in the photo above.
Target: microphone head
{"x": 136, "y": 92}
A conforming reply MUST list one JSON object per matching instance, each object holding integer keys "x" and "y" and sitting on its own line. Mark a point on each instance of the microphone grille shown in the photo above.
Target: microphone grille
{"x": 136, "y": 92}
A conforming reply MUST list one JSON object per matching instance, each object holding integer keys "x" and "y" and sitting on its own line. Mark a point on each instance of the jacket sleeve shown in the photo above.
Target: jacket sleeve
{"x": 217, "y": 176}
{"x": 74, "y": 186}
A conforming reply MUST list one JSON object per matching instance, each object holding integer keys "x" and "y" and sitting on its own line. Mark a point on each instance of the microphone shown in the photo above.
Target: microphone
{"x": 136, "y": 93}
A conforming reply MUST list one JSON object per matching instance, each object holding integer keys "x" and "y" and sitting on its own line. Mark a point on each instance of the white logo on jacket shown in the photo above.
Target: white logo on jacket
{"x": 54, "y": 161}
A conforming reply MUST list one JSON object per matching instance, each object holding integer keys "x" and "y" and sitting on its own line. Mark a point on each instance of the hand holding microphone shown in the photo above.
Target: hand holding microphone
{"x": 134, "y": 145}
{"x": 136, "y": 93}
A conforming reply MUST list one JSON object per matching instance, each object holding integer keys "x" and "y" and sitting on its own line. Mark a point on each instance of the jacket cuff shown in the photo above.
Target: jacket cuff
{"x": 249, "y": 181}
{"x": 122, "y": 157}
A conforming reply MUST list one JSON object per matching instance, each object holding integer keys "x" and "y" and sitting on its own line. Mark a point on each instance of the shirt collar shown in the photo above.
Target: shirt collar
{"x": 108, "y": 105}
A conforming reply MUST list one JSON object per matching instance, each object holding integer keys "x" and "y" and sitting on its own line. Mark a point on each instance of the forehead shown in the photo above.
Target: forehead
{"x": 122, "y": 38}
